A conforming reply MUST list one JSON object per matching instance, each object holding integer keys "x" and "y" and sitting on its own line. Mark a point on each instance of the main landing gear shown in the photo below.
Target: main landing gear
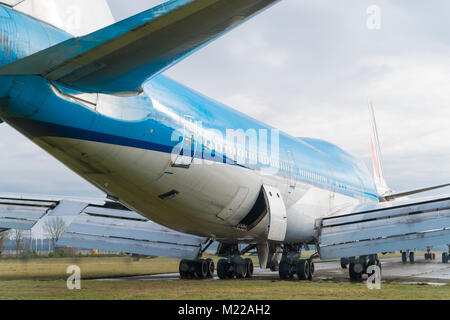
{"x": 429, "y": 255}
{"x": 234, "y": 266}
{"x": 197, "y": 269}
{"x": 358, "y": 266}
{"x": 407, "y": 254}
{"x": 446, "y": 255}
{"x": 291, "y": 264}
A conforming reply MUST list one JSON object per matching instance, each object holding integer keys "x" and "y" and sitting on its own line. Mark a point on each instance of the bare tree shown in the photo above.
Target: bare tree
{"x": 18, "y": 238}
{"x": 4, "y": 235}
{"x": 55, "y": 227}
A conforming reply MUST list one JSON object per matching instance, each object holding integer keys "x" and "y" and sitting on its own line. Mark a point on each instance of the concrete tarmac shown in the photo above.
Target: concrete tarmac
{"x": 393, "y": 270}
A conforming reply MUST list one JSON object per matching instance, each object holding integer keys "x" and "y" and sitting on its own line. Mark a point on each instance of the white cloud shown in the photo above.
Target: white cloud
{"x": 308, "y": 68}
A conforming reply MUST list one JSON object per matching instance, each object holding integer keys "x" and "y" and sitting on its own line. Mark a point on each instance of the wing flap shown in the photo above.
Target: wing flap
{"x": 148, "y": 238}
{"x": 396, "y": 227}
{"x": 99, "y": 224}
{"x": 119, "y": 58}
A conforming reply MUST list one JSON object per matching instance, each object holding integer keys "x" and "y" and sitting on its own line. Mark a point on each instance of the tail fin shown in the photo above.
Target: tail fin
{"x": 384, "y": 192}
{"x": 380, "y": 182}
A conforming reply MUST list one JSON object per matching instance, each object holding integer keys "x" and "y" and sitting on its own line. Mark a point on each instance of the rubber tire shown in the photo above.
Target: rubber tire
{"x": 404, "y": 257}
{"x": 222, "y": 269}
{"x": 184, "y": 269}
{"x": 380, "y": 266}
{"x": 211, "y": 268}
{"x": 240, "y": 270}
{"x": 250, "y": 268}
{"x": 344, "y": 263}
{"x": 354, "y": 276}
{"x": 283, "y": 270}
{"x": 411, "y": 257}
{"x": 303, "y": 269}
{"x": 201, "y": 269}
{"x": 312, "y": 269}
{"x": 444, "y": 257}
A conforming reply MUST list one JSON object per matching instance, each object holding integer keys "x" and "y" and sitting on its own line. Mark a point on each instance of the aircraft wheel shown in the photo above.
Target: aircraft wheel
{"x": 379, "y": 266}
{"x": 303, "y": 269}
{"x": 283, "y": 270}
{"x": 249, "y": 265}
{"x": 312, "y": 269}
{"x": 404, "y": 257}
{"x": 211, "y": 268}
{"x": 411, "y": 257}
{"x": 201, "y": 269}
{"x": 223, "y": 269}
{"x": 445, "y": 257}
{"x": 344, "y": 263}
{"x": 184, "y": 269}
{"x": 240, "y": 270}
{"x": 355, "y": 271}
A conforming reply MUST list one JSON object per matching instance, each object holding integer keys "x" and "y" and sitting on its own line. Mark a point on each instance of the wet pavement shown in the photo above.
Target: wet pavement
{"x": 429, "y": 272}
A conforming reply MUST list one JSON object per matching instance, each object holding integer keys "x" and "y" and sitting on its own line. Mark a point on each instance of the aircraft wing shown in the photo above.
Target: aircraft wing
{"x": 99, "y": 224}
{"x": 385, "y": 227}
{"x": 119, "y": 58}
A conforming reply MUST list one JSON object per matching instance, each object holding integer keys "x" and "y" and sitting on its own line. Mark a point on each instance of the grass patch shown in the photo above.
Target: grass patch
{"x": 46, "y": 279}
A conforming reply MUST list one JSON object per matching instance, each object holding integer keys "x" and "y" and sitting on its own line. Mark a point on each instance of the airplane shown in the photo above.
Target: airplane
{"x": 181, "y": 170}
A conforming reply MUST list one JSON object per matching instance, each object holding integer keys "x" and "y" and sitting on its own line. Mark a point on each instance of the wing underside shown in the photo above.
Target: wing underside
{"x": 101, "y": 225}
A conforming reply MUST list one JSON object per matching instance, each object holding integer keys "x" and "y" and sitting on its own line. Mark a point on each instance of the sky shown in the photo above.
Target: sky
{"x": 309, "y": 68}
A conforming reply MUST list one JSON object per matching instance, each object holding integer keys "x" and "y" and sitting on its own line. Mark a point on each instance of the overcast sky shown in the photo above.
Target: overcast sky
{"x": 308, "y": 68}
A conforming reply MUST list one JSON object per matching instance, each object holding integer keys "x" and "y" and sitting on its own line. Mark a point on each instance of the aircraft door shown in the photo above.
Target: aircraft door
{"x": 277, "y": 214}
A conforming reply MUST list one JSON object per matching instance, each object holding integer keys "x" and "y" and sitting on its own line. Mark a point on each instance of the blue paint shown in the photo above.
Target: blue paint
{"x": 31, "y": 105}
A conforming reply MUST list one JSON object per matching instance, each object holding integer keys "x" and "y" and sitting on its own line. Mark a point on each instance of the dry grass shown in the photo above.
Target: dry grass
{"x": 46, "y": 279}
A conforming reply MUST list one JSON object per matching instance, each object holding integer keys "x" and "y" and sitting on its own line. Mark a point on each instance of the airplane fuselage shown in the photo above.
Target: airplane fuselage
{"x": 179, "y": 158}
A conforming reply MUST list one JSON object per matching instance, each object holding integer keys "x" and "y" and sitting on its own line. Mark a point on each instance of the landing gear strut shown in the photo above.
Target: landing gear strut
{"x": 291, "y": 264}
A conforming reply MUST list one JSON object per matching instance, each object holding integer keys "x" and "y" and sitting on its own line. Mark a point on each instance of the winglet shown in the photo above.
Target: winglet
{"x": 380, "y": 183}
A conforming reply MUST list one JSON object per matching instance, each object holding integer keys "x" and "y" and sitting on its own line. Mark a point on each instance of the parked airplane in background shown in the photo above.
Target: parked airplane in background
{"x": 100, "y": 104}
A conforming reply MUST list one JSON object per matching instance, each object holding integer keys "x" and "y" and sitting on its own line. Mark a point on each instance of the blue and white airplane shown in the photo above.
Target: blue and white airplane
{"x": 100, "y": 104}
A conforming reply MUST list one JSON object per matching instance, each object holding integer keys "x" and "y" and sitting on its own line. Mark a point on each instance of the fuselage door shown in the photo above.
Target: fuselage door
{"x": 277, "y": 214}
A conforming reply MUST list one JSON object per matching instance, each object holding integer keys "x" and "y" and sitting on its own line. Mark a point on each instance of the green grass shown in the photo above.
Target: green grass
{"x": 46, "y": 279}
